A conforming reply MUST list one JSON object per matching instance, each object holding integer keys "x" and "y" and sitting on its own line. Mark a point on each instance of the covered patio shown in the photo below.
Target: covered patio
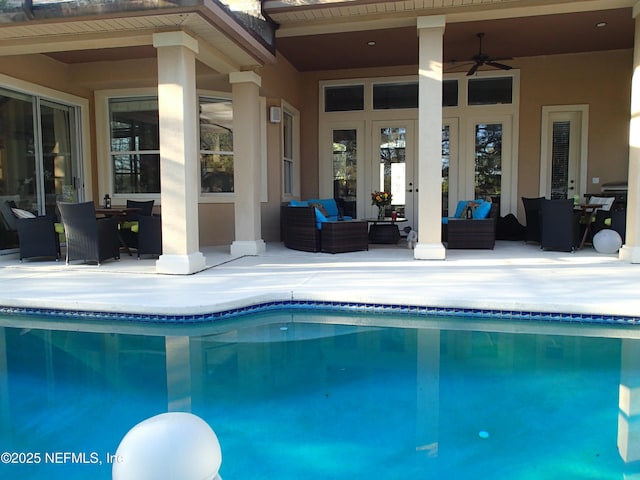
{"x": 259, "y": 79}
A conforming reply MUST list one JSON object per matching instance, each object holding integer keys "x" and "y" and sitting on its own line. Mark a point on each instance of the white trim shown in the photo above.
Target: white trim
{"x": 264, "y": 164}
{"x": 288, "y": 109}
{"x": 85, "y": 191}
{"x": 545, "y": 170}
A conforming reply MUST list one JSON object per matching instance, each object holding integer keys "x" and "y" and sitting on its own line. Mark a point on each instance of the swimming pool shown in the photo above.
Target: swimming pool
{"x": 315, "y": 395}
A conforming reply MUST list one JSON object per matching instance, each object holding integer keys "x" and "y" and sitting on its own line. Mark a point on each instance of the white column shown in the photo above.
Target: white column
{"x": 430, "y": 32}
{"x": 179, "y": 153}
{"x": 631, "y": 249}
{"x": 245, "y": 87}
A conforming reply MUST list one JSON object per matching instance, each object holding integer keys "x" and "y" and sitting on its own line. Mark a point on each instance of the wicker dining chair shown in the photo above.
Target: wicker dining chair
{"x": 149, "y": 235}
{"x": 129, "y": 228}
{"x": 88, "y": 238}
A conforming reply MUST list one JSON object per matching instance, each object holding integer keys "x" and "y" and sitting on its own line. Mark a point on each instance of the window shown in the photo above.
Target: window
{"x": 395, "y": 95}
{"x": 344, "y": 98}
{"x": 450, "y": 93}
{"x": 135, "y": 145}
{"x": 287, "y": 153}
{"x": 216, "y": 145}
{"x": 490, "y": 91}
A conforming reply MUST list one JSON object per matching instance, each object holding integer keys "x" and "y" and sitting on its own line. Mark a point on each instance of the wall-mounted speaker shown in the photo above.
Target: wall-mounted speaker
{"x": 275, "y": 114}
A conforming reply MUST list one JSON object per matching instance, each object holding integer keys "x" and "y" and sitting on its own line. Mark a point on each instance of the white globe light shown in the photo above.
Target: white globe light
{"x": 169, "y": 446}
{"x": 607, "y": 241}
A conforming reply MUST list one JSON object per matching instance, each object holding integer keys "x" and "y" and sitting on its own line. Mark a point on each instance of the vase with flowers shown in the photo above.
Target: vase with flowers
{"x": 381, "y": 200}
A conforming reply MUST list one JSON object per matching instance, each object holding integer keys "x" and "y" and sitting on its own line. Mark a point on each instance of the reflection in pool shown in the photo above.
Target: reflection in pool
{"x": 297, "y": 395}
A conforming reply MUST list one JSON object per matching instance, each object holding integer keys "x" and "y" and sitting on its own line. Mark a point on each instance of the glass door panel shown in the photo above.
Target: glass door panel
{"x": 392, "y": 168}
{"x": 18, "y": 179}
{"x": 58, "y": 154}
{"x": 393, "y": 171}
{"x": 345, "y": 169}
{"x": 488, "y": 161}
{"x": 446, "y": 164}
{"x": 38, "y": 156}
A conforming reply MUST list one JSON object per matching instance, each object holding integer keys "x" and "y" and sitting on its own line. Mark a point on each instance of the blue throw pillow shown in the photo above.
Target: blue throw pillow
{"x": 320, "y": 219}
{"x": 298, "y": 203}
{"x": 482, "y": 210}
{"x": 460, "y": 208}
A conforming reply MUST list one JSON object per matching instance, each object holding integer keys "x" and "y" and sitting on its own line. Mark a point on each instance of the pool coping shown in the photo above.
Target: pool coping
{"x": 321, "y": 306}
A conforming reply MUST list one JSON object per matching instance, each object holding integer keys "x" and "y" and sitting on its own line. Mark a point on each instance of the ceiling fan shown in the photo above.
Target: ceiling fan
{"x": 481, "y": 59}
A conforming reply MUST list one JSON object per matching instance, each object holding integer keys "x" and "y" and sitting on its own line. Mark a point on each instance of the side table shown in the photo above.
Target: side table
{"x": 344, "y": 236}
{"x": 384, "y": 231}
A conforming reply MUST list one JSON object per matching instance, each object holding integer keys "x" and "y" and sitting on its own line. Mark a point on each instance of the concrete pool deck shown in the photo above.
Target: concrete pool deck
{"x": 513, "y": 276}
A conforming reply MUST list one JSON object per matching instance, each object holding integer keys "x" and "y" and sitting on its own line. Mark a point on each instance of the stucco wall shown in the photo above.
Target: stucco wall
{"x": 601, "y": 80}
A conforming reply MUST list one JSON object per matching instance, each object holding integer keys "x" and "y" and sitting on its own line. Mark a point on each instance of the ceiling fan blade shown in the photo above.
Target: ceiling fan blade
{"x": 499, "y": 65}
{"x": 473, "y": 69}
{"x": 454, "y": 67}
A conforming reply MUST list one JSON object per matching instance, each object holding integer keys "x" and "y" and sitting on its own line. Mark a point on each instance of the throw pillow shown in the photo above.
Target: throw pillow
{"x": 320, "y": 207}
{"x": 482, "y": 210}
{"x": 473, "y": 204}
{"x": 20, "y": 213}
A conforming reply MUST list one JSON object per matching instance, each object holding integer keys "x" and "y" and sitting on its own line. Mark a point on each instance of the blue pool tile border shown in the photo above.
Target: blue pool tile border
{"x": 327, "y": 307}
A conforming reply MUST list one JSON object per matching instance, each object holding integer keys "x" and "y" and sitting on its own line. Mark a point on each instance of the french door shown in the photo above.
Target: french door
{"x": 394, "y": 167}
{"x": 563, "y": 151}
{"x": 478, "y": 161}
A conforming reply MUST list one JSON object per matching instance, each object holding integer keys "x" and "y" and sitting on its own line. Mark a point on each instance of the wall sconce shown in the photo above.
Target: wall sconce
{"x": 275, "y": 114}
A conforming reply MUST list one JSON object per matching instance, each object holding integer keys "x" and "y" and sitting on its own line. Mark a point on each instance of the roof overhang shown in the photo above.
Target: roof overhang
{"x": 224, "y": 44}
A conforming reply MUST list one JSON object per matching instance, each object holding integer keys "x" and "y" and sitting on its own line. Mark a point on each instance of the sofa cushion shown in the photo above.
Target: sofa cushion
{"x": 298, "y": 203}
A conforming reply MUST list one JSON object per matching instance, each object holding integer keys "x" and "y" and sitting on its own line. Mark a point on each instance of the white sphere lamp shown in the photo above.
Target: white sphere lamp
{"x": 169, "y": 446}
{"x": 607, "y": 241}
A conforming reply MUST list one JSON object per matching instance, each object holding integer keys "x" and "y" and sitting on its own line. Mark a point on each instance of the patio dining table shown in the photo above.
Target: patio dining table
{"x": 122, "y": 214}
{"x": 587, "y": 211}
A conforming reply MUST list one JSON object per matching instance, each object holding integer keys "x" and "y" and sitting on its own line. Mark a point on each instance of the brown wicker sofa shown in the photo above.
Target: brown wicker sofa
{"x": 471, "y": 233}
{"x": 304, "y": 228}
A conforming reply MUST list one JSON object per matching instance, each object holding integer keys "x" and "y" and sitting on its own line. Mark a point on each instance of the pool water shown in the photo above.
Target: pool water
{"x": 336, "y": 399}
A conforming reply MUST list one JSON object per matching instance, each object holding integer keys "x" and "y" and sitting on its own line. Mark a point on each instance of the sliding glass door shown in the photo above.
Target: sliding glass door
{"x": 39, "y": 154}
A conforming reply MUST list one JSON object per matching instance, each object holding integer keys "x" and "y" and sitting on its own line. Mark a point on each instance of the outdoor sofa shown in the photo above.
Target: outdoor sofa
{"x": 317, "y": 225}
{"x": 479, "y": 231}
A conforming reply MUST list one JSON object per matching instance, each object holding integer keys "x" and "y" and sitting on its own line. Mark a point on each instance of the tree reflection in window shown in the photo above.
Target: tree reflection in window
{"x": 488, "y": 171}
{"x": 216, "y": 145}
